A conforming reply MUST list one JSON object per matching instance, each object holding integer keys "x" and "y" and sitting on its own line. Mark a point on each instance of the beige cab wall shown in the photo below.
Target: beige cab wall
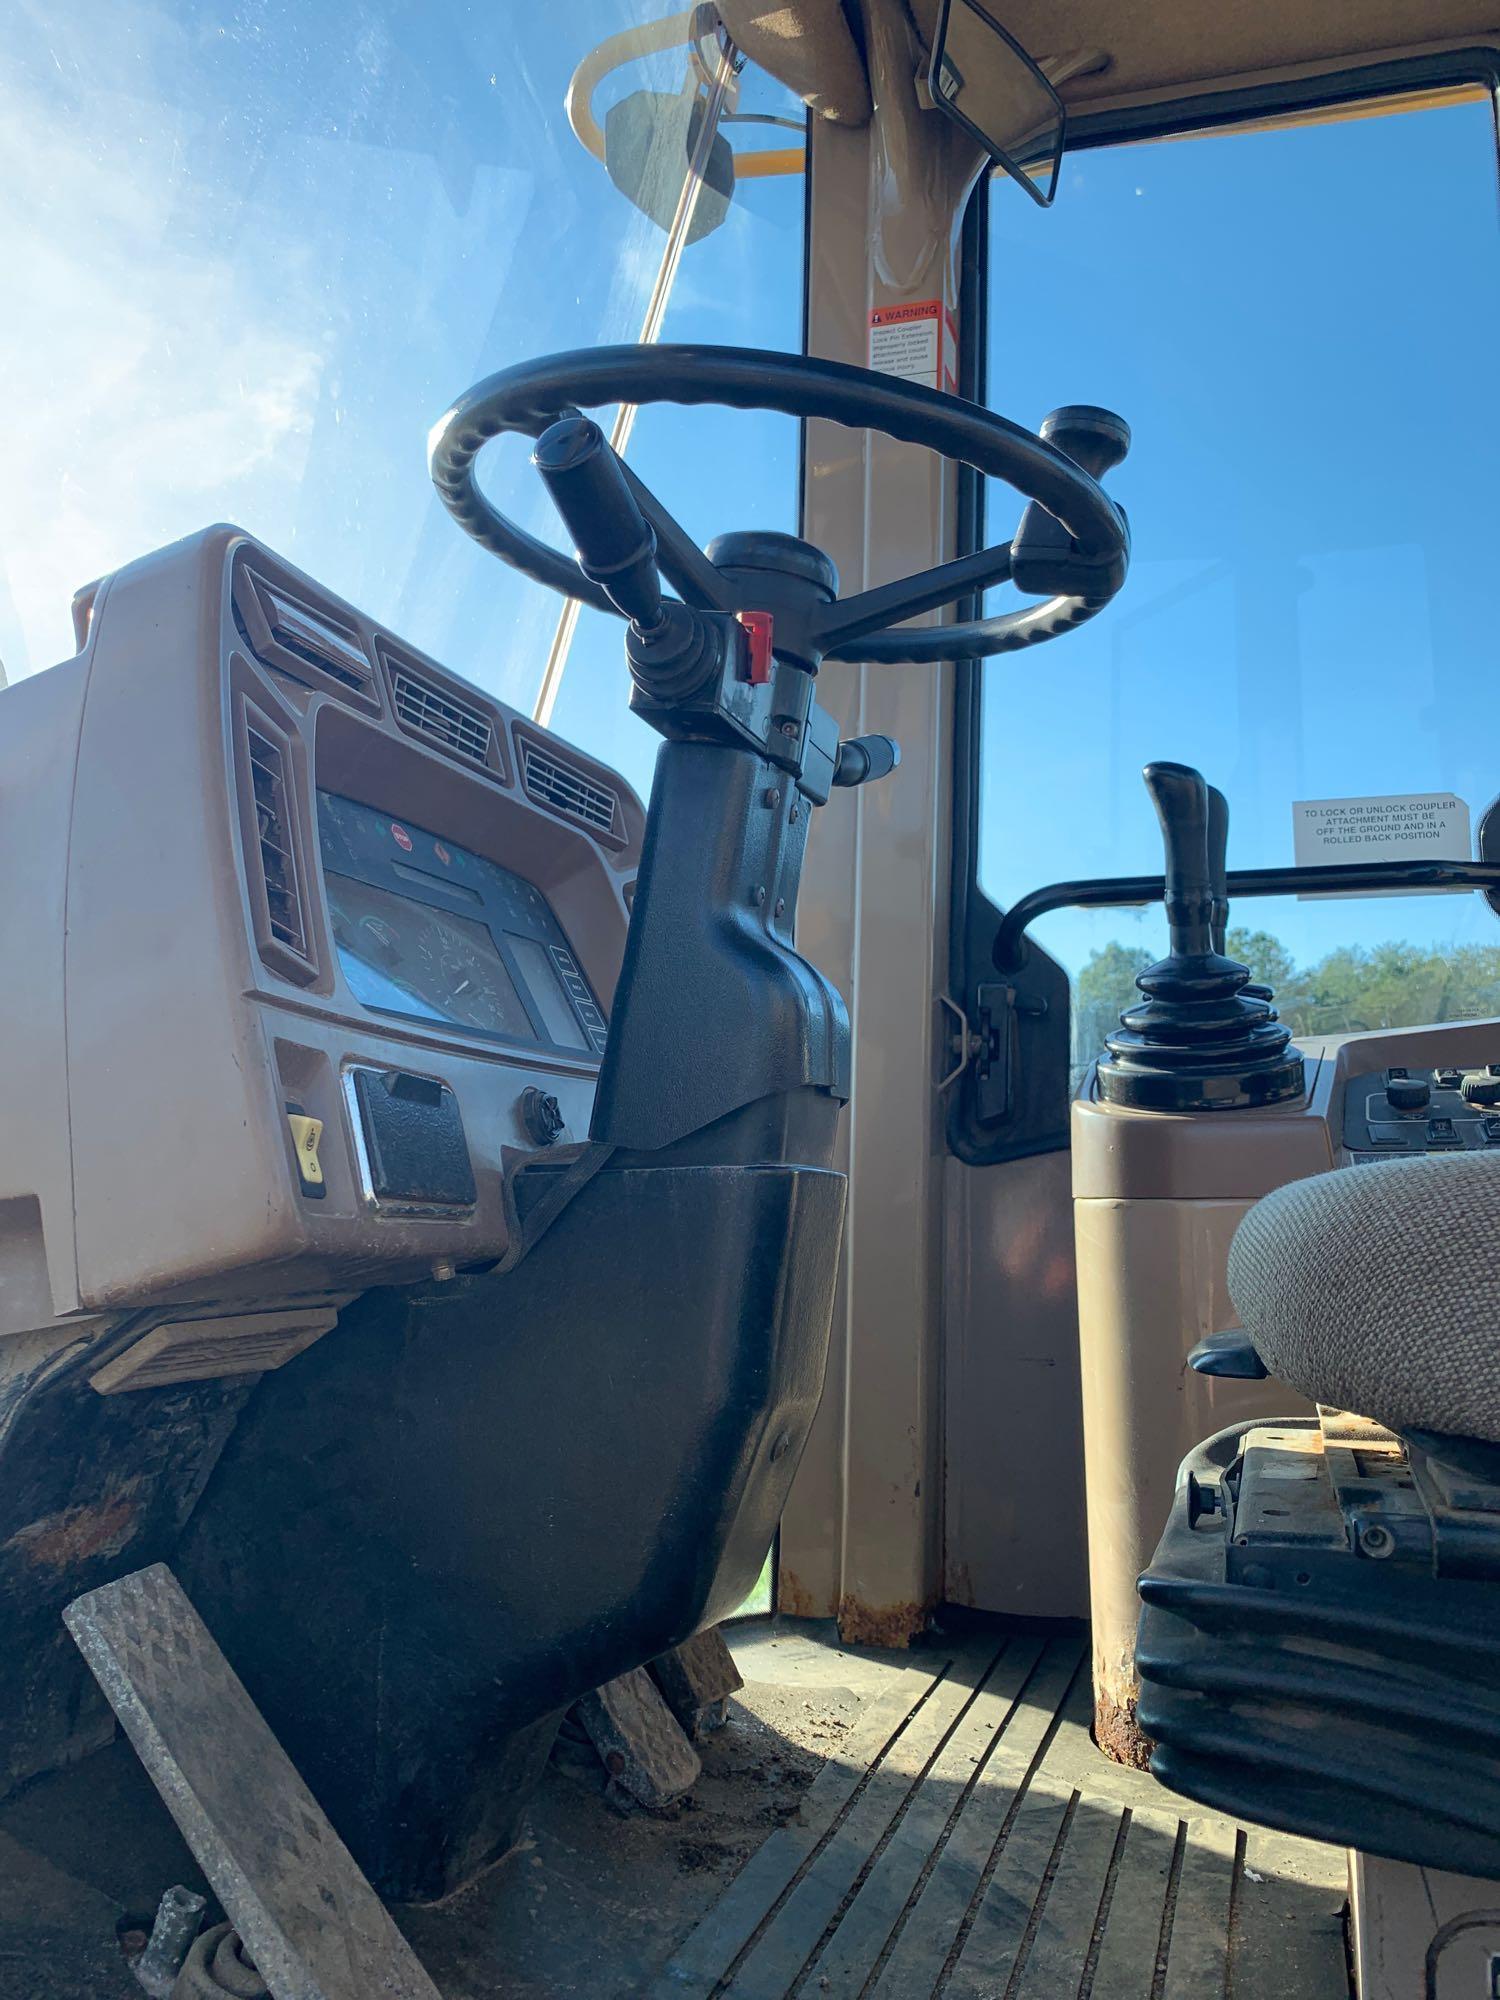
{"x": 1013, "y": 1460}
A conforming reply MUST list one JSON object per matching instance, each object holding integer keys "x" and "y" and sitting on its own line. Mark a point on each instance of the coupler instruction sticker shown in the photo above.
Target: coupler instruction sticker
{"x": 918, "y": 342}
{"x": 1400, "y": 826}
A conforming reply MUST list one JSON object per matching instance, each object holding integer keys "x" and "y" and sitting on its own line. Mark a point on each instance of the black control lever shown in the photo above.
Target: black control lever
{"x": 1218, "y": 864}
{"x": 1199, "y": 1042}
{"x": 863, "y": 758}
{"x": 1181, "y": 801}
{"x": 615, "y": 544}
{"x": 673, "y": 650}
{"x": 1218, "y": 875}
{"x": 1232, "y": 1354}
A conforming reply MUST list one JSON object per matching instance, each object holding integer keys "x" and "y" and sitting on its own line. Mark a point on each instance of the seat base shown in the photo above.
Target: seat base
{"x": 1320, "y": 1641}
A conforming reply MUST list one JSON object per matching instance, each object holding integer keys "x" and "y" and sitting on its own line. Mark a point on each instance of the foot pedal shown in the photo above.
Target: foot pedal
{"x": 314, "y": 1927}
{"x": 696, "y": 1680}
{"x": 640, "y": 1741}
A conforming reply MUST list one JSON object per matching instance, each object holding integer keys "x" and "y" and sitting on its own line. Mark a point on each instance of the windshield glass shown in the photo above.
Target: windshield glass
{"x": 252, "y": 255}
{"x": 1299, "y": 326}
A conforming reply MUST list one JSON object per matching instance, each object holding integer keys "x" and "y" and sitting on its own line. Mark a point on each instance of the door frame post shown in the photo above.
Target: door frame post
{"x": 861, "y": 1538}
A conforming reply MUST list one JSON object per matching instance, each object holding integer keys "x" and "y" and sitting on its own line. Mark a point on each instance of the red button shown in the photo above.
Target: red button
{"x": 758, "y": 628}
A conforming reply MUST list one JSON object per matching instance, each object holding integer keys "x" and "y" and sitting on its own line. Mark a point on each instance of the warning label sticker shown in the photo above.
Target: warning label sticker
{"x": 1403, "y": 826}
{"x": 918, "y": 342}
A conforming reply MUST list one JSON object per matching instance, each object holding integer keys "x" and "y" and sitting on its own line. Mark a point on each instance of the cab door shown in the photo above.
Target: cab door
{"x": 1297, "y": 315}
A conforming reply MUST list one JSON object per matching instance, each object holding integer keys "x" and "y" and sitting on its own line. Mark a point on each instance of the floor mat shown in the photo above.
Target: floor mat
{"x": 969, "y": 1843}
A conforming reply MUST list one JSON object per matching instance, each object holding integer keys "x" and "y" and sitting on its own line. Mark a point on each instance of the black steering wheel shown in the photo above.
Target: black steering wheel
{"x": 1057, "y": 471}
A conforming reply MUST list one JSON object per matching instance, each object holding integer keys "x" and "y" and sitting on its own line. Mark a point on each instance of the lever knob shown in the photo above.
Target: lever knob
{"x": 863, "y": 758}
{"x": 1181, "y": 801}
{"x": 1093, "y": 438}
{"x": 1408, "y": 1093}
{"x": 612, "y": 537}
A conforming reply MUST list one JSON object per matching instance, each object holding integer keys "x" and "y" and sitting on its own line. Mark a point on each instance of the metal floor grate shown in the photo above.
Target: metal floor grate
{"x": 971, "y": 1844}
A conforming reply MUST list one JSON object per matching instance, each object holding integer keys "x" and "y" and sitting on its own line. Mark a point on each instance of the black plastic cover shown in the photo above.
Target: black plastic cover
{"x": 414, "y": 1140}
{"x": 461, "y": 1510}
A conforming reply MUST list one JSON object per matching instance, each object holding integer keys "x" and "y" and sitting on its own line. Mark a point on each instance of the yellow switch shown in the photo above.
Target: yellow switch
{"x": 306, "y": 1132}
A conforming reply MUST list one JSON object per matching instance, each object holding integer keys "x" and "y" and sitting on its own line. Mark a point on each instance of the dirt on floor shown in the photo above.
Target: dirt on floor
{"x": 593, "y": 1902}
{"x": 756, "y": 1768}
{"x": 596, "y": 1898}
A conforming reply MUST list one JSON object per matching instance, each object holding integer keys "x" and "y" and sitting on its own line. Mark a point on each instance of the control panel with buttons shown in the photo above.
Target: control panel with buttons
{"x": 1397, "y": 1111}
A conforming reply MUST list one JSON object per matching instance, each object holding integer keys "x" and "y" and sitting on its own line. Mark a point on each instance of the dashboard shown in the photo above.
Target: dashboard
{"x": 427, "y": 930}
{"x": 307, "y": 938}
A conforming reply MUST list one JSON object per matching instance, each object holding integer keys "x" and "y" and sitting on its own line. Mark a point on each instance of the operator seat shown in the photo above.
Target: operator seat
{"x": 1319, "y": 1645}
{"x": 1377, "y": 1289}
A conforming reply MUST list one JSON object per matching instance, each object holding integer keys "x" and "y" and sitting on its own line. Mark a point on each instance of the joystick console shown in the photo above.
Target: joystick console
{"x": 1204, "y": 1038}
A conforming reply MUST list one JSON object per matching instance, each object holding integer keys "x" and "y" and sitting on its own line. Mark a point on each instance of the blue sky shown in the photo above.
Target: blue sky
{"x": 254, "y": 252}
{"x": 1301, "y": 328}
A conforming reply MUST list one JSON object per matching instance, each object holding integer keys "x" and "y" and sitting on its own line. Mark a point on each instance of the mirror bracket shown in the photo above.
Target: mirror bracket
{"x": 985, "y": 81}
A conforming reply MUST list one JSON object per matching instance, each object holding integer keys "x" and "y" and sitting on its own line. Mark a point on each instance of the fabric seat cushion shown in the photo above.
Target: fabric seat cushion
{"x": 1377, "y": 1289}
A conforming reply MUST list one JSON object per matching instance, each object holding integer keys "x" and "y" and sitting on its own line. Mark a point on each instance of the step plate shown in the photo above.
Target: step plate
{"x": 308, "y": 1917}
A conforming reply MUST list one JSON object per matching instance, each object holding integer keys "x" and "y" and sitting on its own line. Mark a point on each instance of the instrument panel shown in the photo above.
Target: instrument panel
{"x": 427, "y": 930}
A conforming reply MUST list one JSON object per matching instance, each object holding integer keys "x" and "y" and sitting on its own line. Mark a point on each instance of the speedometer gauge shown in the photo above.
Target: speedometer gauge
{"x": 467, "y": 978}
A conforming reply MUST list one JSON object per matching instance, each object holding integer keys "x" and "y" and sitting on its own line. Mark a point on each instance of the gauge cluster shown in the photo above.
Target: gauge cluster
{"x": 428, "y": 930}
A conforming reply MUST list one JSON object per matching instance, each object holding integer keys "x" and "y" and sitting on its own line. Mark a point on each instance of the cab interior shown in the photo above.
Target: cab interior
{"x": 752, "y": 1080}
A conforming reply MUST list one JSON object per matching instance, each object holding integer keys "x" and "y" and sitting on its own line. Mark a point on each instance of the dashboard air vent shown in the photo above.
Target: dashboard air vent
{"x": 278, "y": 854}
{"x": 302, "y": 638}
{"x": 267, "y": 776}
{"x": 442, "y": 717}
{"x": 554, "y": 782}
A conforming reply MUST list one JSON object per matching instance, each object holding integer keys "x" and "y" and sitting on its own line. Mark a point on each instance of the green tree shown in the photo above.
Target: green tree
{"x": 1101, "y": 993}
{"x": 1268, "y": 958}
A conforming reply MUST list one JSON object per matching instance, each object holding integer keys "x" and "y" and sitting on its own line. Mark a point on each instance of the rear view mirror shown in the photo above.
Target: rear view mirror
{"x": 650, "y": 138}
{"x": 984, "y": 78}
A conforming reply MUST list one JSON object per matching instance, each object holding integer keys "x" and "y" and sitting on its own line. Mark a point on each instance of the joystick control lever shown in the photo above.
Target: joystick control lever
{"x": 615, "y": 544}
{"x": 1218, "y": 875}
{"x": 1218, "y": 864}
{"x": 1202, "y": 1039}
{"x": 1181, "y": 800}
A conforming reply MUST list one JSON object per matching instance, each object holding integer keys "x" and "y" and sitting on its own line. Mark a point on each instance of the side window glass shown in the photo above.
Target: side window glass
{"x": 1299, "y": 325}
